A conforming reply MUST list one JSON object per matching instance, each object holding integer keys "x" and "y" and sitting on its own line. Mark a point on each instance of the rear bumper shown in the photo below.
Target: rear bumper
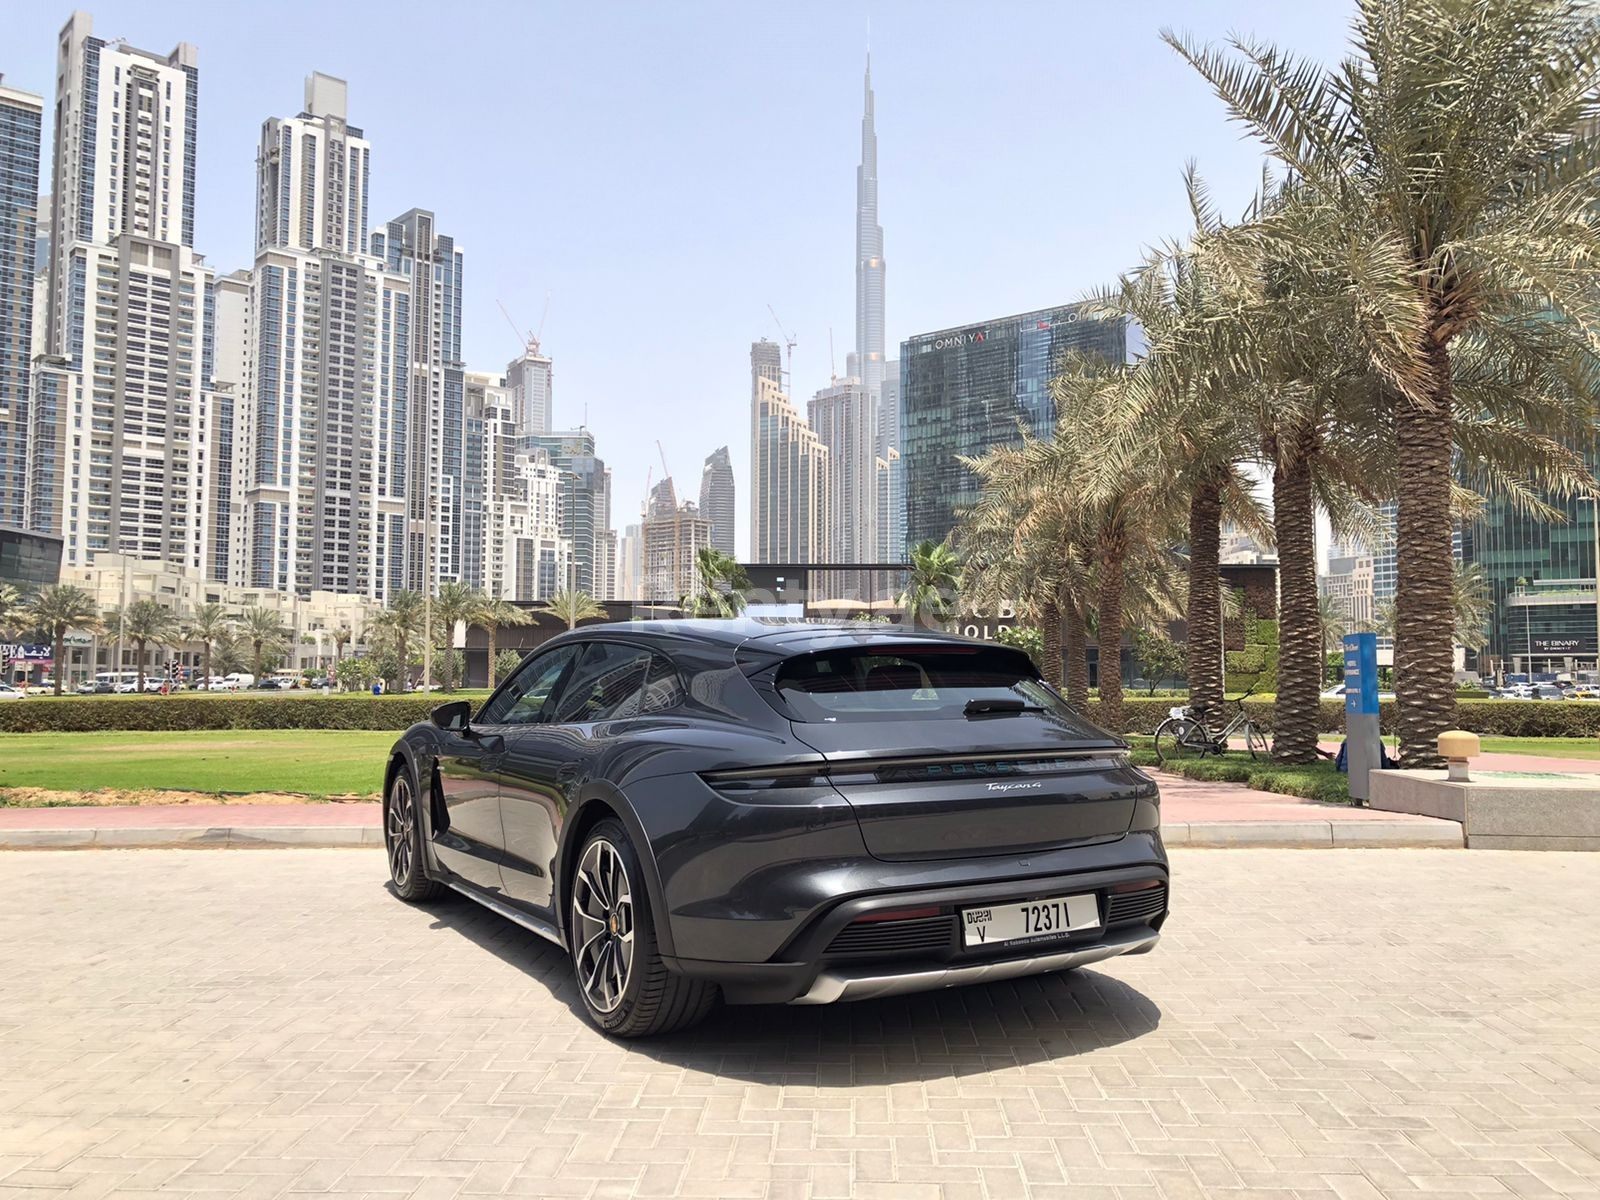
{"x": 867, "y": 983}
{"x": 812, "y": 970}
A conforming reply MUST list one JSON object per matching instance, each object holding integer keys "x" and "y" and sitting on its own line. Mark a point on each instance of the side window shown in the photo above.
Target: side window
{"x": 524, "y": 700}
{"x": 606, "y": 684}
{"x": 662, "y": 688}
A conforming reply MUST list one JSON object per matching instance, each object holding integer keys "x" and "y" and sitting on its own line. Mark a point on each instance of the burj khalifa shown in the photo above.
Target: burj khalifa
{"x": 866, "y": 361}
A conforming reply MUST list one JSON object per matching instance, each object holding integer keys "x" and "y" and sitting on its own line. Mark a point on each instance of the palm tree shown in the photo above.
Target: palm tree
{"x": 207, "y": 624}
{"x": 342, "y": 636}
{"x": 572, "y": 607}
{"x": 1332, "y": 620}
{"x": 1459, "y": 140}
{"x": 721, "y": 585}
{"x": 59, "y": 609}
{"x": 146, "y": 623}
{"x": 400, "y": 622}
{"x": 934, "y": 578}
{"x": 267, "y": 635}
{"x": 492, "y": 615}
{"x": 1185, "y": 404}
{"x": 11, "y": 607}
{"x": 1472, "y": 605}
{"x": 454, "y": 602}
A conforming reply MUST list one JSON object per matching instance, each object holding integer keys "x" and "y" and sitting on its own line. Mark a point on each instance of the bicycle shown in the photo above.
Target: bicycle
{"x": 1184, "y": 734}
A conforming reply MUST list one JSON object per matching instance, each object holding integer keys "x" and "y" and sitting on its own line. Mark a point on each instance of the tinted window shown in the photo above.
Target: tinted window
{"x": 663, "y": 688}
{"x": 525, "y": 698}
{"x": 911, "y": 683}
{"x": 606, "y": 684}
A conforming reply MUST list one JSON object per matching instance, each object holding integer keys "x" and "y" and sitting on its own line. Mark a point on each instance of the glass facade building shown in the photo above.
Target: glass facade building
{"x": 29, "y": 561}
{"x": 21, "y": 117}
{"x": 967, "y": 389}
{"x": 1541, "y": 580}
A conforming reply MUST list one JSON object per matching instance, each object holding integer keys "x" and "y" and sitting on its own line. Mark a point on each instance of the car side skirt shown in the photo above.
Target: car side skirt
{"x": 500, "y": 908}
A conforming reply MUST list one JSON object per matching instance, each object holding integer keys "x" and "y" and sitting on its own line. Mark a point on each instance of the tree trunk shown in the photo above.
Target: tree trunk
{"x": 1424, "y": 624}
{"x": 490, "y": 630}
{"x": 1050, "y": 631}
{"x": 256, "y": 646}
{"x": 1077, "y": 647}
{"x": 1109, "y": 635}
{"x": 1204, "y": 650}
{"x": 1297, "y": 713}
{"x": 139, "y": 646}
{"x": 205, "y": 664}
{"x": 59, "y": 649}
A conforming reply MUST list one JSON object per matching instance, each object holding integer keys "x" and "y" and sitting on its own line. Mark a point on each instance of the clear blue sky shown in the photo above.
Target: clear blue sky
{"x": 664, "y": 171}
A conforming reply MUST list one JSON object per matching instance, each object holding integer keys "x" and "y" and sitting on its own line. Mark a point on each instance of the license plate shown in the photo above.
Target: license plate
{"x": 1036, "y": 920}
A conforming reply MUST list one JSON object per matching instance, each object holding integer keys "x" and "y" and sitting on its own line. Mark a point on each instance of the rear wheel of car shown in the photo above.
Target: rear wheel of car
{"x": 626, "y": 988}
{"x": 402, "y": 839}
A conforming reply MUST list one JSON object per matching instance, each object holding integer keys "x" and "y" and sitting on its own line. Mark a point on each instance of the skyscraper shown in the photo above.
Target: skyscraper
{"x": 844, "y": 417}
{"x": 789, "y": 492}
{"x": 411, "y": 246}
{"x": 230, "y": 371}
{"x": 322, "y": 420}
{"x": 529, "y": 377}
{"x": 717, "y": 499}
{"x": 21, "y": 120}
{"x": 585, "y": 505}
{"x": 312, "y": 173}
{"x": 121, "y": 407}
{"x": 965, "y": 390}
{"x": 866, "y": 362}
{"x": 673, "y": 534}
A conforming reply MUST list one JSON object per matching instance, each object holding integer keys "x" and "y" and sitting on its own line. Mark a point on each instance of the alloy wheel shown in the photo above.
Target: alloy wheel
{"x": 602, "y": 905}
{"x": 399, "y": 820}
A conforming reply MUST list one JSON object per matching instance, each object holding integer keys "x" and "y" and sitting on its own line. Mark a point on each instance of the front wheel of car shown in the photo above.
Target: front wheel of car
{"x": 402, "y": 839}
{"x": 626, "y": 989}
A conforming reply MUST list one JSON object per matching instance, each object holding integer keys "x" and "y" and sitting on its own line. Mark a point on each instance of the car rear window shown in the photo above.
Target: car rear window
{"x": 914, "y": 683}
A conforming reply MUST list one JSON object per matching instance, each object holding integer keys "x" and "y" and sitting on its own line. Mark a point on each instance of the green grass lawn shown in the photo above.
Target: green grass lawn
{"x": 315, "y": 762}
{"x": 1548, "y": 747}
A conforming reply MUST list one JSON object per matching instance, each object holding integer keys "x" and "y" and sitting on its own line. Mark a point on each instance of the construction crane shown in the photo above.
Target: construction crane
{"x": 644, "y": 505}
{"x": 789, "y": 342}
{"x": 529, "y": 340}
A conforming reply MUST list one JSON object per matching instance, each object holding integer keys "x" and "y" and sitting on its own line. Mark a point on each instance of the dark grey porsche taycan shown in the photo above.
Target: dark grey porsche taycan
{"x": 780, "y": 812}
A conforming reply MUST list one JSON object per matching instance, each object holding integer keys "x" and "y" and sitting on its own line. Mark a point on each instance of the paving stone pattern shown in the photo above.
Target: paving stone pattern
{"x": 254, "y": 1024}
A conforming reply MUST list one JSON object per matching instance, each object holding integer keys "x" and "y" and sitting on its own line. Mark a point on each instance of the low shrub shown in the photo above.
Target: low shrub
{"x": 1317, "y": 781}
{"x": 175, "y": 713}
{"x": 1492, "y": 718}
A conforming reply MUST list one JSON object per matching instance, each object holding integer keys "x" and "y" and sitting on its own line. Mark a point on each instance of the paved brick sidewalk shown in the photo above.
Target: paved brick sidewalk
{"x": 1339, "y": 1026}
{"x": 1193, "y": 813}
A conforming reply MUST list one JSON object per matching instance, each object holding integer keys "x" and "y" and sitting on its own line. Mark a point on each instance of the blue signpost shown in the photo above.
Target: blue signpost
{"x": 1363, "y": 744}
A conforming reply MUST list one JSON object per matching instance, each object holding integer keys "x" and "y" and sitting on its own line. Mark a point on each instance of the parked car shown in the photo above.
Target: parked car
{"x": 780, "y": 813}
{"x": 8, "y": 692}
{"x": 235, "y": 681}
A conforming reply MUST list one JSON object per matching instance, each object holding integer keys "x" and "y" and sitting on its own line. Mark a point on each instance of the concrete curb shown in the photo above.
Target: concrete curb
{"x": 1232, "y": 835}
{"x": 1314, "y": 835}
{"x": 302, "y": 837}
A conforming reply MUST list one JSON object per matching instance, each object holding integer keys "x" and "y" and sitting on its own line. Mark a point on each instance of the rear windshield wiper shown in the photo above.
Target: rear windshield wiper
{"x": 975, "y": 707}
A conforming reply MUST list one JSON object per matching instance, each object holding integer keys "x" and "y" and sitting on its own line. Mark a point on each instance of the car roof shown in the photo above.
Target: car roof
{"x": 782, "y": 637}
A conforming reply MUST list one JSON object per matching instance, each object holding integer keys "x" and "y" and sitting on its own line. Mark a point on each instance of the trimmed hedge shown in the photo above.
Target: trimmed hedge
{"x": 1499, "y": 718}
{"x": 176, "y": 713}
{"x": 1494, "y": 718}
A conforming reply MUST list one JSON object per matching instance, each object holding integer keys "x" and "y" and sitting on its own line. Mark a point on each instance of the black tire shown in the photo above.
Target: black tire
{"x": 1256, "y": 742}
{"x": 1180, "y": 738}
{"x": 402, "y": 839}
{"x": 645, "y": 998}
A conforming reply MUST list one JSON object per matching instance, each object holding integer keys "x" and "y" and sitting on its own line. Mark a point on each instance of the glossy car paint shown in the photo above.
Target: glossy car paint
{"x": 755, "y": 835}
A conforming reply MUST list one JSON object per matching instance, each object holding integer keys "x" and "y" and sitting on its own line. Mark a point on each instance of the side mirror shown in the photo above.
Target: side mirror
{"x": 453, "y": 717}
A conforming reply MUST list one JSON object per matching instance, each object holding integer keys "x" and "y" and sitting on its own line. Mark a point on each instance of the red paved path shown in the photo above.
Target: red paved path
{"x": 1183, "y": 800}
